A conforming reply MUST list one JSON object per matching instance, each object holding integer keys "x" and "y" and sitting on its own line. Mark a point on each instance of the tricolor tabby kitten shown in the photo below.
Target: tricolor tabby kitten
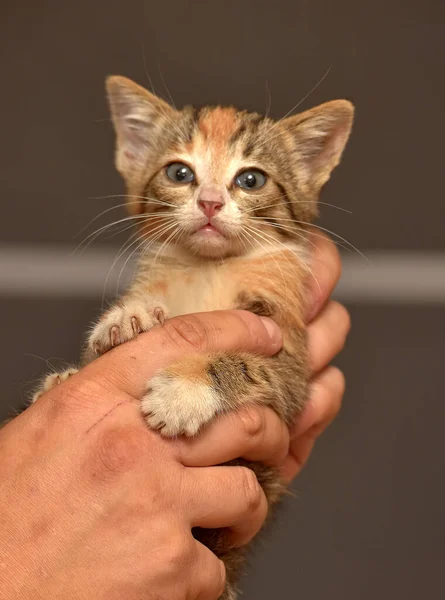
{"x": 225, "y": 198}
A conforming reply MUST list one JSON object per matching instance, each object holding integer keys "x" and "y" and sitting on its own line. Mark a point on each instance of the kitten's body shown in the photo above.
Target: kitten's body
{"x": 214, "y": 242}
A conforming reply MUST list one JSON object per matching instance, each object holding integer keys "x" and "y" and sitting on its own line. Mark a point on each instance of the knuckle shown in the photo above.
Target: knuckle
{"x": 331, "y": 256}
{"x": 179, "y": 552}
{"x": 334, "y": 391}
{"x": 253, "y": 494}
{"x": 253, "y": 422}
{"x": 339, "y": 384}
{"x": 221, "y": 582}
{"x": 187, "y": 331}
{"x": 343, "y": 316}
{"x": 120, "y": 448}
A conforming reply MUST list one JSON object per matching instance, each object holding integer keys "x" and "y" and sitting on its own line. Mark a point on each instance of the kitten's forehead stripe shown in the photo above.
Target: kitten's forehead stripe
{"x": 238, "y": 134}
{"x": 219, "y": 125}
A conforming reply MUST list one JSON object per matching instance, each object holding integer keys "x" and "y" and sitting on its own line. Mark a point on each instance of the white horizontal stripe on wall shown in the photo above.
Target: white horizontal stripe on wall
{"x": 390, "y": 277}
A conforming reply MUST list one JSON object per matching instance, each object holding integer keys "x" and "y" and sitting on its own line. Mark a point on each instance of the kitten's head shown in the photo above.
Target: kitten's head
{"x": 218, "y": 181}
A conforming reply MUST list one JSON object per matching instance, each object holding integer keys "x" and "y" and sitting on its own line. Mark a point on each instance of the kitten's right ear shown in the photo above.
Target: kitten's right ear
{"x": 137, "y": 117}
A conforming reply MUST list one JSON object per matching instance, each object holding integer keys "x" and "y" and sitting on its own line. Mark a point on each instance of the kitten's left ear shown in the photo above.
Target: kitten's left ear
{"x": 138, "y": 117}
{"x": 319, "y": 137}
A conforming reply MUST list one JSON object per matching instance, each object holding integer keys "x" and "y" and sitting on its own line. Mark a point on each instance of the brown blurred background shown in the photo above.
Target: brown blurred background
{"x": 368, "y": 518}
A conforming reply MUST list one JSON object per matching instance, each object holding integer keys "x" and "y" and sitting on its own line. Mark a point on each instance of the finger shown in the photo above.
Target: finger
{"x": 327, "y": 335}
{"x": 209, "y": 579}
{"x": 130, "y": 366}
{"x": 324, "y": 403}
{"x": 226, "y": 497}
{"x": 255, "y": 433}
{"x": 325, "y": 266}
{"x": 121, "y": 375}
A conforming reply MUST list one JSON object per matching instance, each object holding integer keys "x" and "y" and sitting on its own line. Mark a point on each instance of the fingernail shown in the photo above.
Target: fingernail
{"x": 272, "y": 329}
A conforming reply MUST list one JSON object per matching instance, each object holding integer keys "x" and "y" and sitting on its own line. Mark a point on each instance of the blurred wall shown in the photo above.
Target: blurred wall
{"x": 367, "y": 520}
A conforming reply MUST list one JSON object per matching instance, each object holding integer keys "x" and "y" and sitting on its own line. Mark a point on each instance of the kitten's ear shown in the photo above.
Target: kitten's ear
{"x": 319, "y": 138}
{"x": 137, "y": 117}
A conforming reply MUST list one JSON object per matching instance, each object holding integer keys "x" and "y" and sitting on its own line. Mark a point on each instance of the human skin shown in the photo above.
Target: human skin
{"x": 95, "y": 505}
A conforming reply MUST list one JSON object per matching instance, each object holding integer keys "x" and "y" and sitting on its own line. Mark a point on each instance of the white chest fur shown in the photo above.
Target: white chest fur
{"x": 199, "y": 290}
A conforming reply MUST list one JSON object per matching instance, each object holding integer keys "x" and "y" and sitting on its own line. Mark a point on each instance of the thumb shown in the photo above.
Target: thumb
{"x": 122, "y": 374}
{"x": 130, "y": 366}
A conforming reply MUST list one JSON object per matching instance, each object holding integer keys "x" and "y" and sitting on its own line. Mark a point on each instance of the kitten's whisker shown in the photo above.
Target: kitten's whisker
{"x": 138, "y": 245}
{"x": 295, "y": 229}
{"x": 92, "y": 236}
{"x": 156, "y": 232}
{"x": 153, "y": 89}
{"x": 276, "y": 123}
{"x": 126, "y": 246}
{"x": 338, "y": 236}
{"x": 104, "y": 212}
{"x": 165, "y": 244}
{"x": 269, "y": 100}
{"x": 137, "y": 218}
{"x": 283, "y": 200}
{"x": 244, "y": 240}
{"x": 148, "y": 198}
{"x": 111, "y": 235}
{"x": 272, "y": 255}
{"x": 156, "y": 238}
{"x": 287, "y": 249}
{"x": 134, "y": 239}
{"x": 172, "y": 102}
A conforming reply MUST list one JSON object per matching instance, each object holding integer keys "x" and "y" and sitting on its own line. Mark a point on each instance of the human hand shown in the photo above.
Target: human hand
{"x": 95, "y": 505}
{"x": 79, "y": 516}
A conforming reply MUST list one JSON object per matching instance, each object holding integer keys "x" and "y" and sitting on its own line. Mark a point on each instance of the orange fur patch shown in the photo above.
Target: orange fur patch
{"x": 218, "y": 125}
{"x": 277, "y": 279}
{"x": 192, "y": 368}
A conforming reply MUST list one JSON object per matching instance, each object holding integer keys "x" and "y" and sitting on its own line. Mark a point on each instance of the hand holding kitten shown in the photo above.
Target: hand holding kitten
{"x": 92, "y": 499}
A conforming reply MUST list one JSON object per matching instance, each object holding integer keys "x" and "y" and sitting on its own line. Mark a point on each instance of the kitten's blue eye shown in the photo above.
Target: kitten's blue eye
{"x": 180, "y": 173}
{"x": 250, "y": 180}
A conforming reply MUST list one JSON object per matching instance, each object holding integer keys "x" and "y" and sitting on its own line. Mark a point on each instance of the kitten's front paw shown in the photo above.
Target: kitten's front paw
{"x": 123, "y": 323}
{"x": 176, "y": 405}
{"x": 52, "y": 380}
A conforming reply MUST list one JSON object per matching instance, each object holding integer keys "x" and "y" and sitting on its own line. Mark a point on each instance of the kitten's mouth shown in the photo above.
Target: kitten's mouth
{"x": 210, "y": 240}
{"x": 210, "y": 231}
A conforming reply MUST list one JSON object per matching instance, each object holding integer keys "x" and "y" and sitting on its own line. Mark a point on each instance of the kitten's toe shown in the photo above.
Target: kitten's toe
{"x": 176, "y": 406}
{"x": 123, "y": 323}
{"x": 52, "y": 381}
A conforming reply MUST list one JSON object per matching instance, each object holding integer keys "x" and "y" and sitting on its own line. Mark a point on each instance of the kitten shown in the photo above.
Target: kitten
{"x": 224, "y": 198}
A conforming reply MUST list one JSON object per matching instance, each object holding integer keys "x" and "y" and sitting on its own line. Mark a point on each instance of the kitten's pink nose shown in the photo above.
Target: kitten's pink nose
{"x": 210, "y": 202}
{"x": 210, "y": 207}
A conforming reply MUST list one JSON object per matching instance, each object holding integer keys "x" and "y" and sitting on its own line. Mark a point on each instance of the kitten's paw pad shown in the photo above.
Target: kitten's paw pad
{"x": 123, "y": 323}
{"x": 53, "y": 380}
{"x": 178, "y": 406}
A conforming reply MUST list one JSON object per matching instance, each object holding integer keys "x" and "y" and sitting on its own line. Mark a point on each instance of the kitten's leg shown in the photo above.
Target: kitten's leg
{"x": 120, "y": 324}
{"x": 189, "y": 393}
{"x": 124, "y": 322}
{"x": 52, "y": 380}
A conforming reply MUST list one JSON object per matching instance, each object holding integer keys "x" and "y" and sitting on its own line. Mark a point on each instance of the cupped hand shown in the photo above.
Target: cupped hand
{"x": 95, "y": 505}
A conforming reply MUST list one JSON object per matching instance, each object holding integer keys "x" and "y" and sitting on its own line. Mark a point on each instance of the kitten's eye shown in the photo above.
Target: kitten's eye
{"x": 180, "y": 173}
{"x": 250, "y": 180}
